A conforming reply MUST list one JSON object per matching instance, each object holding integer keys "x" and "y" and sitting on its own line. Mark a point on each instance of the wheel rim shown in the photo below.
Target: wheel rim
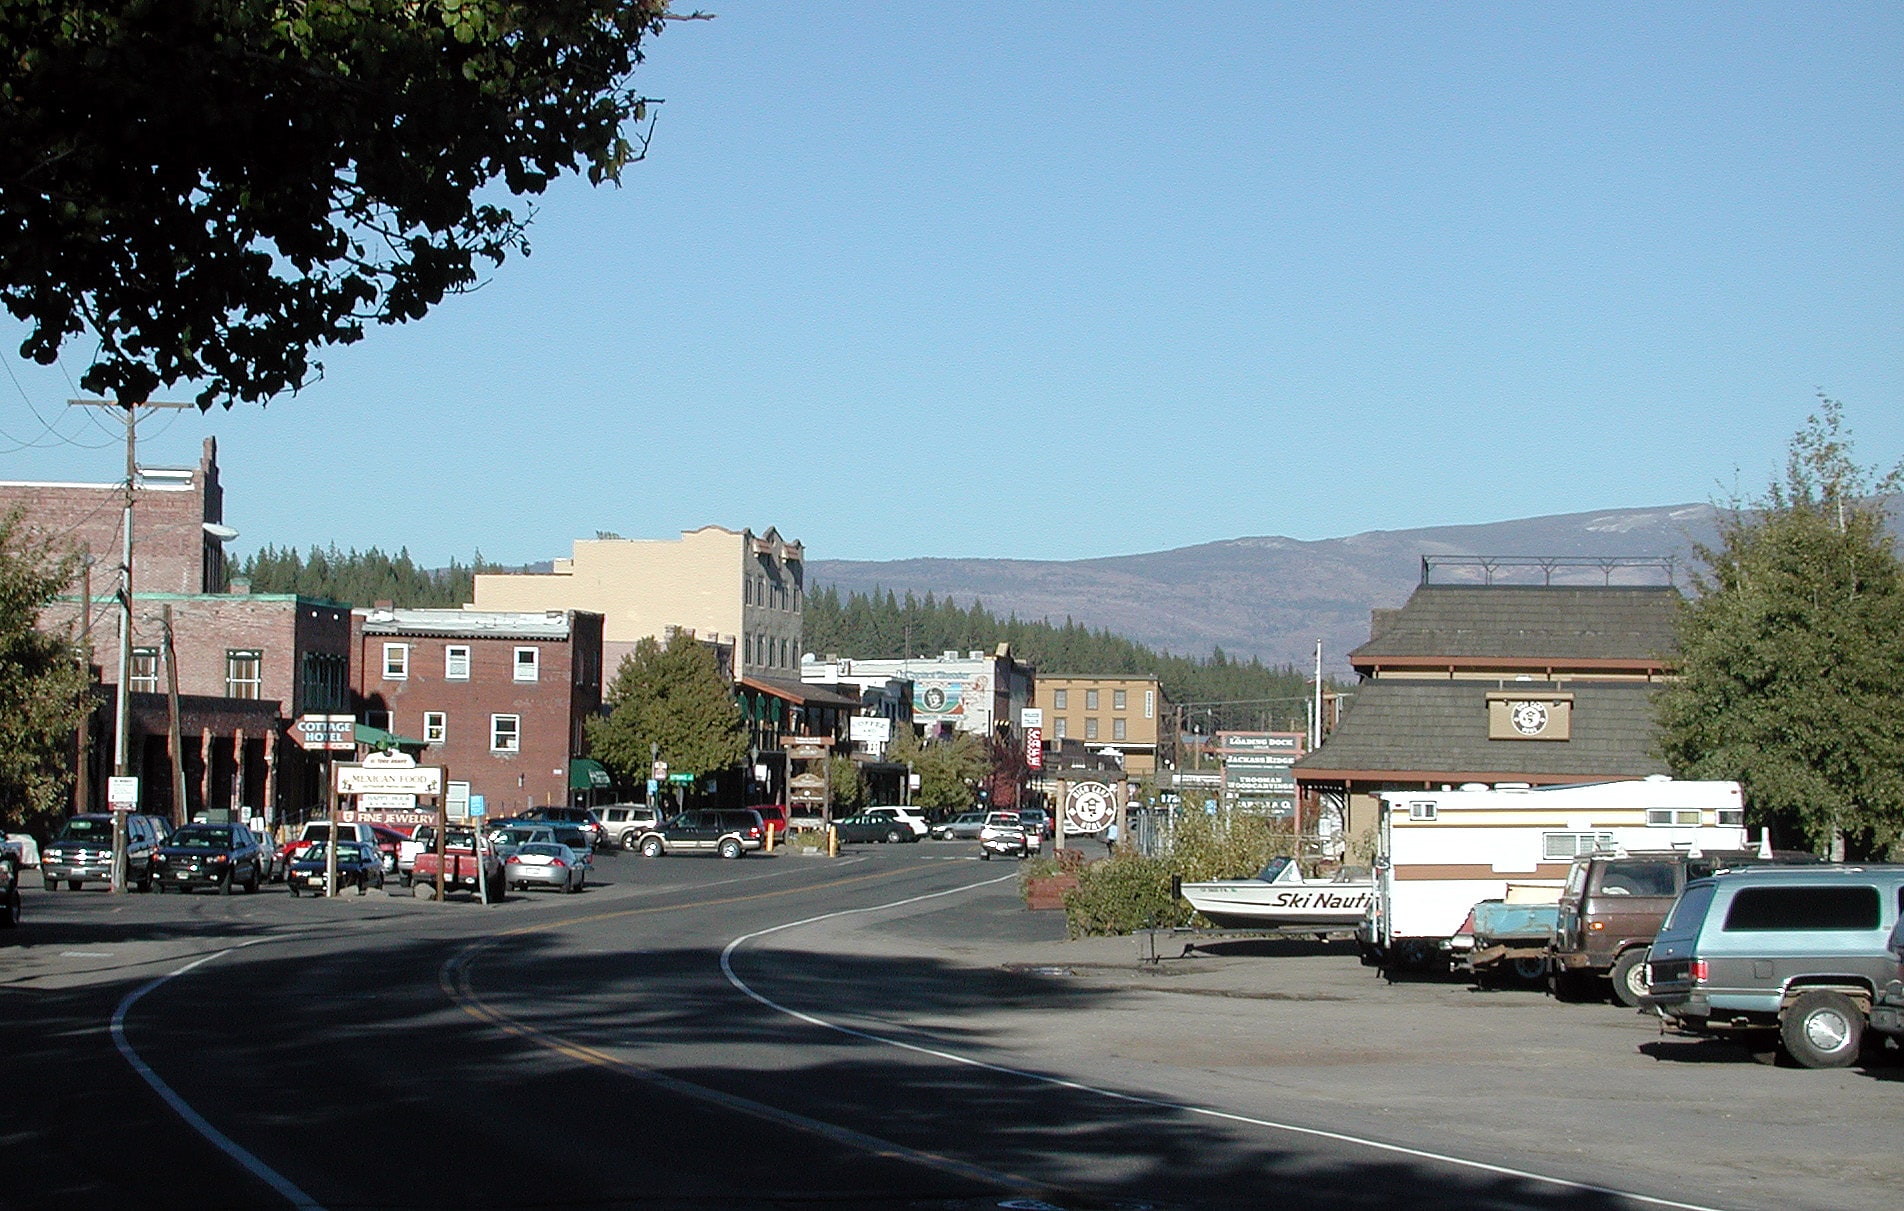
{"x": 1827, "y": 1030}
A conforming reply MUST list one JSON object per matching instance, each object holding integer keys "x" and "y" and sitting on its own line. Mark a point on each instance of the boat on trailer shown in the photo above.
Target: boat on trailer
{"x": 1278, "y": 897}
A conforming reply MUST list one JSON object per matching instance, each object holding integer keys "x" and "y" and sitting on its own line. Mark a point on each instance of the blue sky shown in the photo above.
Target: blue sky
{"x": 1070, "y": 280}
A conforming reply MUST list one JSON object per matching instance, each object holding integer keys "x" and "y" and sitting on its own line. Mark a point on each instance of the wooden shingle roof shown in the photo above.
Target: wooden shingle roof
{"x": 1556, "y": 624}
{"x": 1437, "y": 731}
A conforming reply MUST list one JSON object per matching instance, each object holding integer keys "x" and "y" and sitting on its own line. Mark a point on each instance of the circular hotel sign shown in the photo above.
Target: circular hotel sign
{"x": 1528, "y": 718}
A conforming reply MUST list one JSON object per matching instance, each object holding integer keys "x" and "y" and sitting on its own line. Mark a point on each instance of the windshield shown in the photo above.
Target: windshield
{"x": 87, "y": 830}
{"x": 192, "y": 837}
{"x": 543, "y": 849}
{"x": 1270, "y": 873}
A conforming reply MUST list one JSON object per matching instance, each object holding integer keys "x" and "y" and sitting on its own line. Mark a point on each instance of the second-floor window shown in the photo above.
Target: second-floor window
{"x": 456, "y": 662}
{"x": 505, "y": 733}
{"x": 244, "y": 673}
{"x": 396, "y": 662}
{"x": 436, "y": 727}
{"x": 1117, "y": 700}
{"x": 145, "y": 671}
{"x": 528, "y": 664}
{"x": 1090, "y": 700}
{"x": 1060, "y": 699}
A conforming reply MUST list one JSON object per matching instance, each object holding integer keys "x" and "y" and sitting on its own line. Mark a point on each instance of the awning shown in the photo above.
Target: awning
{"x": 588, "y": 774}
{"x": 376, "y": 737}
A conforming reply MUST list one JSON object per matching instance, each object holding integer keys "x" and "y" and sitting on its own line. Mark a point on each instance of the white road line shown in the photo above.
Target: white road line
{"x": 727, "y": 969}
{"x": 221, "y": 1141}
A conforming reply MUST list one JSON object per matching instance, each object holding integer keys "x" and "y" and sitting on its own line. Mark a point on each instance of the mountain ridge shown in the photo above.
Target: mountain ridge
{"x": 1271, "y": 596}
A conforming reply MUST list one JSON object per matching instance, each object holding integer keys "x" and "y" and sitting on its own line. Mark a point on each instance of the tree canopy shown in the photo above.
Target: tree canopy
{"x": 1244, "y": 694}
{"x": 212, "y": 190}
{"x": 1791, "y": 653}
{"x": 673, "y": 696}
{"x": 42, "y": 689}
{"x": 363, "y": 578}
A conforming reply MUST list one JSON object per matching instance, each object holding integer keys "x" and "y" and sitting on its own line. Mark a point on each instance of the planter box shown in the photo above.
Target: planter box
{"x": 1047, "y": 891}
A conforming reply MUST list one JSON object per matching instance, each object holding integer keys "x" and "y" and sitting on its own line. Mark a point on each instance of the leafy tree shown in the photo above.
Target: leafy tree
{"x": 950, "y": 771}
{"x": 672, "y": 696}
{"x": 43, "y": 692}
{"x": 1792, "y": 651}
{"x": 211, "y": 190}
{"x": 847, "y": 781}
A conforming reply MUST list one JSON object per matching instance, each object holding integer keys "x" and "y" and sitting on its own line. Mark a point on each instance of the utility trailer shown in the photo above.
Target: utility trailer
{"x": 1439, "y": 853}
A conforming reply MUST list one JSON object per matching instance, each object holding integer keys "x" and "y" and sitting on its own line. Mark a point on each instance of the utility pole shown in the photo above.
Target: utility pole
{"x": 121, "y": 763}
{"x": 82, "y": 773}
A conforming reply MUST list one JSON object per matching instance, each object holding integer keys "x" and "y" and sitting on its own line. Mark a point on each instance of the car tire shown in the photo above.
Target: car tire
{"x": 729, "y": 848}
{"x": 10, "y": 908}
{"x": 75, "y": 884}
{"x": 51, "y": 884}
{"x": 651, "y": 847}
{"x": 251, "y": 884}
{"x": 1629, "y": 977}
{"x": 145, "y": 881}
{"x": 629, "y": 839}
{"x": 1529, "y": 972}
{"x": 984, "y": 855}
{"x": 1822, "y": 1030}
{"x": 892, "y": 836}
{"x": 295, "y": 893}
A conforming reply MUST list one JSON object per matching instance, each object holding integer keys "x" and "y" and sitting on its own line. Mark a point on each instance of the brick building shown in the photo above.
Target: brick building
{"x": 499, "y": 698}
{"x": 177, "y": 530}
{"x": 247, "y": 665}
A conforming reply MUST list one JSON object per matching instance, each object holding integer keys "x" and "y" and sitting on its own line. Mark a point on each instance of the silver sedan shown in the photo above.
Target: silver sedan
{"x": 546, "y": 864}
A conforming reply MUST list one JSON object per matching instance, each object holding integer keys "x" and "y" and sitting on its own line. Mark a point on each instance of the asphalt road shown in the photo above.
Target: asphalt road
{"x": 889, "y": 1029}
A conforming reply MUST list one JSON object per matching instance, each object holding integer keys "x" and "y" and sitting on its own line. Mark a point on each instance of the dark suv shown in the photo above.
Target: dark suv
{"x": 729, "y": 832}
{"x": 82, "y": 852}
{"x": 580, "y": 817}
{"x": 212, "y": 855}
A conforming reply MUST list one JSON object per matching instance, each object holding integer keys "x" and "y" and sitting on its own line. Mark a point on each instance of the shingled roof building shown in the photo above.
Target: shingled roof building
{"x": 1537, "y": 684}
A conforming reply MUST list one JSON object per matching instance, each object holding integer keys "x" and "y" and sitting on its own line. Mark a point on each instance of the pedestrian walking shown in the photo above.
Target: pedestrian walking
{"x": 1110, "y": 840}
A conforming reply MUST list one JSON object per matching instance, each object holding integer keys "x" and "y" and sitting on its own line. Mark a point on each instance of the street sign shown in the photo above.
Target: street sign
{"x": 807, "y": 782}
{"x": 390, "y": 759}
{"x": 1034, "y": 746}
{"x": 806, "y": 750}
{"x": 658, "y": 772}
{"x": 122, "y": 794}
{"x": 478, "y": 806}
{"x": 324, "y": 732}
{"x": 681, "y": 779}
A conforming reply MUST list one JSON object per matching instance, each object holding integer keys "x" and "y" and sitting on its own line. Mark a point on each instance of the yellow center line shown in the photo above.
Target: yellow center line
{"x": 454, "y": 979}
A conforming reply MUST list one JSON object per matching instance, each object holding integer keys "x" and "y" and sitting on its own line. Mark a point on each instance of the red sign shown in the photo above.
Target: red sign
{"x": 1034, "y": 748}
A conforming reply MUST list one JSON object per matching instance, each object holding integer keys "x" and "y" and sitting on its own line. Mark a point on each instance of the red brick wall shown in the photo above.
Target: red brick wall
{"x": 550, "y": 708}
{"x": 171, "y": 552}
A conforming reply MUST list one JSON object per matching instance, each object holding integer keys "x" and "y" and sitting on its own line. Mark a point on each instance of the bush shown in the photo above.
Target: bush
{"x": 1123, "y": 894}
{"x": 1132, "y": 892}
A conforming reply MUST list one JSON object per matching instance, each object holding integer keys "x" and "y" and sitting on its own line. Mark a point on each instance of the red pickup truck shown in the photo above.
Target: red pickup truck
{"x": 459, "y": 866}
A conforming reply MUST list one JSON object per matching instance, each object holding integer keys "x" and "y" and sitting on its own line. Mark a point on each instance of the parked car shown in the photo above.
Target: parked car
{"x": 774, "y": 816}
{"x": 581, "y": 817}
{"x": 359, "y": 865}
{"x": 868, "y": 827}
{"x": 1887, "y": 1014}
{"x": 10, "y": 856}
{"x": 1037, "y": 824}
{"x": 545, "y": 864}
{"x": 508, "y": 836}
{"x": 211, "y": 855}
{"x": 1800, "y": 951}
{"x": 623, "y": 823}
{"x": 320, "y": 830}
{"x": 82, "y": 853}
{"x": 1004, "y": 836}
{"x": 1610, "y": 909}
{"x": 913, "y": 820}
{"x": 463, "y": 864}
{"x": 963, "y": 827}
{"x": 729, "y": 832}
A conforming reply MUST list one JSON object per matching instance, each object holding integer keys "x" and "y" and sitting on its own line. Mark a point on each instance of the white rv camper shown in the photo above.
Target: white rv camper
{"x": 1439, "y": 853}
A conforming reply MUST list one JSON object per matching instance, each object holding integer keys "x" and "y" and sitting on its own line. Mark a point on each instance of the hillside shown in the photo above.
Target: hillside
{"x": 1267, "y": 597}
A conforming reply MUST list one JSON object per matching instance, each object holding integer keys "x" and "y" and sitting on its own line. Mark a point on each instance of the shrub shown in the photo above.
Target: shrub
{"x": 1121, "y": 895}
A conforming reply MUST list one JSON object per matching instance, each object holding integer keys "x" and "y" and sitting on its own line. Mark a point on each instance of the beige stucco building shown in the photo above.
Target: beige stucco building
{"x": 1128, "y": 714}
{"x": 730, "y": 587}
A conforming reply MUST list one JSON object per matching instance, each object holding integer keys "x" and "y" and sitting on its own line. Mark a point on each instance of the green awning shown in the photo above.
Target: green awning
{"x": 588, "y": 774}
{"x": 376, "y": 737}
